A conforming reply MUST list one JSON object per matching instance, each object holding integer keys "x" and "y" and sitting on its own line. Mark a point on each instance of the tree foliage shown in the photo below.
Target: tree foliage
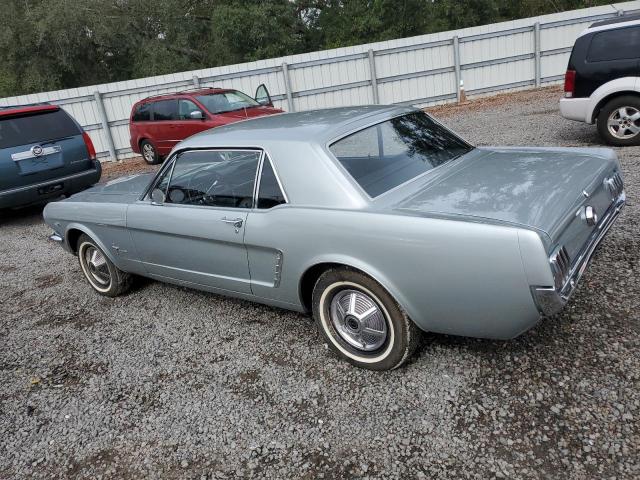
{"x": 55, "y": 44}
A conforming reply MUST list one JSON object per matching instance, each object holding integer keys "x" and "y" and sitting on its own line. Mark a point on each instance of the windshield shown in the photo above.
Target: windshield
{"x": 391, "y": 153}
{"x": 226, "y": 101}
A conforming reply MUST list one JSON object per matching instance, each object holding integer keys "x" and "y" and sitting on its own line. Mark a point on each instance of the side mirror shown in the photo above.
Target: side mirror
{"x": 196, "y": 115}
{"x": 263, "y": 97}
{"x": 157, "y": 196}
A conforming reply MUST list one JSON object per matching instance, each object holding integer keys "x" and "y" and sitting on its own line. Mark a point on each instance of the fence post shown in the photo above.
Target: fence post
{"x": 196, "y": 81}
{"x": 287, "y": 86}
{"x": 374, "y": 77}
{"x": 105, "y": 126}
{"x": 456, "y": 62}
{"x": 538, "y": 59}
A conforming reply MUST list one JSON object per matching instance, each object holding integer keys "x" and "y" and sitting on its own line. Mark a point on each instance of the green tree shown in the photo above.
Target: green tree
{"x": 54, "y": 44}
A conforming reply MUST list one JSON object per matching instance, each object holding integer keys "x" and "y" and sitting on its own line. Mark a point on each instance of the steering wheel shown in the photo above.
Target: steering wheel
{"x": 203, "y": 185}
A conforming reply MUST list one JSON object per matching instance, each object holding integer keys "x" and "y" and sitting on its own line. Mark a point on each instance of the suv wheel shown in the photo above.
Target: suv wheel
{"x": 149, "y": 152}
{"x": 619, "y": 121}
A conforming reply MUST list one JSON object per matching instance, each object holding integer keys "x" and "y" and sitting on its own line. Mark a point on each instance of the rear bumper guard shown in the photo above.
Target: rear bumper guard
{"x": 550, "y": 300}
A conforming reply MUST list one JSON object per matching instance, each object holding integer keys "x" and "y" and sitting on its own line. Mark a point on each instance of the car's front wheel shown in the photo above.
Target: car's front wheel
{"x": 149, "y": 152}
{"x": 619, "y": 121}
{"x": 100, "y": 272}
{"x": 361, "y": 322}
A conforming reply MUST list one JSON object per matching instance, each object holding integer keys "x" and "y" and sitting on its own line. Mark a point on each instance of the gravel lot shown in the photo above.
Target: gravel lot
{"x": 171, "y": 383}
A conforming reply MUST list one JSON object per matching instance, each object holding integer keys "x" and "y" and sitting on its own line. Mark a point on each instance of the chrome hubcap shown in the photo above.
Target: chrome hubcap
{"x": 358, "y": 320}
{"x": 97, "y": 266}
{"x": 148, "y": 152}
{"x": 624, "y": 123}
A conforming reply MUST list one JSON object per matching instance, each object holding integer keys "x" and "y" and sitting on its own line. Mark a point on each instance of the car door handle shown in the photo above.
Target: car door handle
{"x": 236, "y": 222}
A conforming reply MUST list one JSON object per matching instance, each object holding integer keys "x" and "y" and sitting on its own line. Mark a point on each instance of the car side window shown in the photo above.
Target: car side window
{"x": 165, "y": 110}
{"x": 185, "y": 108}
{"x": 212, "y": 178}
{"x": 270, "y": 194}
{"x": 620, "y": 44}
{"x": 142, "y": 113}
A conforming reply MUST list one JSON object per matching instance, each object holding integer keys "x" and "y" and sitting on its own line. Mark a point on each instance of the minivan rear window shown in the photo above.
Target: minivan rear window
{"x": 621, "y": 44}
{"x": 36, "y": 128}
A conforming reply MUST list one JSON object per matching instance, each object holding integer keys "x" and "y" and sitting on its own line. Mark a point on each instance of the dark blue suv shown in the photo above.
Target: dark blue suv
{"x": 44, "y": 153}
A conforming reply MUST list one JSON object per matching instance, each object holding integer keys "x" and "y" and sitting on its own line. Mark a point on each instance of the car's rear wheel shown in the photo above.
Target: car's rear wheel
{"x": 361, "y": 322}
{"x": 100, "y": 272}
{"x": 619, "y": 121}
{"x": 149, "y": 152}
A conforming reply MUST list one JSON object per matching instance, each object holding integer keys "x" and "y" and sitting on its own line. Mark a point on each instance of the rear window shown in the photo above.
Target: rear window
{"x": 391, "y": 153}
{"x": 142, "y": 113}
{"x": 621, "y": 44}
{"x": 38, "y": 128}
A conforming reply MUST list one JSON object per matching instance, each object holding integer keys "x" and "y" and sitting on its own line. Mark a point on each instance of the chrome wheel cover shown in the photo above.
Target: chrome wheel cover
{"x": 358, "y": 320}
{"x": 148, "y": 152}
{"x": 96, "y": 267}
{"x": 624, "y": 123}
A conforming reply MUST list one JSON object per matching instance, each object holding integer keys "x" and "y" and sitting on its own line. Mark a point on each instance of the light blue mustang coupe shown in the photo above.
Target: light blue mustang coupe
{"x": 379, "y": 220}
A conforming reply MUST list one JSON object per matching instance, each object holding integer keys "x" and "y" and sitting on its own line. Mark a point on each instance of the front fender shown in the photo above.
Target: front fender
{"x": 90, "y": 232}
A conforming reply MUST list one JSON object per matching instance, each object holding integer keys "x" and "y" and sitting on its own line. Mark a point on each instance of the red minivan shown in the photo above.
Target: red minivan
{"x": 158, "y": 123}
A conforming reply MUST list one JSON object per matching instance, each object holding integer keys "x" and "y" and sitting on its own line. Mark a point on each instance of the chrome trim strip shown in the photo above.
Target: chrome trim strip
{"x": 256, "y": 181}
{"x": 277, "y": 274}
{"x": 48, "y": 182}
{"x": 16, "y": 157}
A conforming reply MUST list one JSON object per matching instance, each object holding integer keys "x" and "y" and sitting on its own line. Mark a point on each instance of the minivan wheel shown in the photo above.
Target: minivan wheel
{"x": 100, "y": 272}
{"x": 361, "y": 322}
{"x": 149, "y": 152}
{"x": 619, "y": 121}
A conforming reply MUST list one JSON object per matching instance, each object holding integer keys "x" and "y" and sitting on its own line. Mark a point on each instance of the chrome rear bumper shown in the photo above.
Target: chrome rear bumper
{"x": 550, "y": 300}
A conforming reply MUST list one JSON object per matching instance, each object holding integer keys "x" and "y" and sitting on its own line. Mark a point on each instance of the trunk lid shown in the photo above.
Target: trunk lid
{"x": 540, "y": 188}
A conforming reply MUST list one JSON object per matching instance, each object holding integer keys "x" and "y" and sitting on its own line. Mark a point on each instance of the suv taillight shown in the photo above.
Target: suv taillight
{"x": 90, "y": 148}
{"x": 569, "y": 83}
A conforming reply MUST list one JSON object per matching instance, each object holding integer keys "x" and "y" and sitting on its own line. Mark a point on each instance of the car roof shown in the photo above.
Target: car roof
{"x": 17, "y": 110}
{"x": 313, "y": 126}
{"x": 615, "y": 21}
{"x": 192, "y": 92}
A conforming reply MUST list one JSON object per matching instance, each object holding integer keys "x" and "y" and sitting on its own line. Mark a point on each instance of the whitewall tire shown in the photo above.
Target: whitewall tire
{"x": 100, "y": 272}
{"x": 361, "y": 322}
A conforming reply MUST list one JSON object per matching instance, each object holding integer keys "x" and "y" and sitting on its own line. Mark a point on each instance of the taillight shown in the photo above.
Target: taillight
{"x": 90, "y": 148}
{"x": 569, "y": 83}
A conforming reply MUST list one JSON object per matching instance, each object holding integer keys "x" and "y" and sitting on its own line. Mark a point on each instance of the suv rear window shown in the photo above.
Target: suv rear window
{"x": 391, "y": 153}
{"x": 36, "y": 128}
{"x": 621, "y": 44}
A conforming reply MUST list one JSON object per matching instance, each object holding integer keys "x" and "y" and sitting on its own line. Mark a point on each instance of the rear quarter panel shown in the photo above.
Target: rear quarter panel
{"x": 452, "y": 277}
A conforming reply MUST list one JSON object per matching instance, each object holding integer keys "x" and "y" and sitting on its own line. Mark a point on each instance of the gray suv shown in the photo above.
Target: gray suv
{"x": 44, "y": 153}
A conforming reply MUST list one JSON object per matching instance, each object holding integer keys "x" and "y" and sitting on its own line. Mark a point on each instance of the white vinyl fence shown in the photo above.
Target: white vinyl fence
{"x": 420, "y": 70}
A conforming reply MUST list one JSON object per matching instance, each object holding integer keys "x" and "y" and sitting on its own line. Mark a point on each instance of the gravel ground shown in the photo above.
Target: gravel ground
{"x": 171, "y": 383}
